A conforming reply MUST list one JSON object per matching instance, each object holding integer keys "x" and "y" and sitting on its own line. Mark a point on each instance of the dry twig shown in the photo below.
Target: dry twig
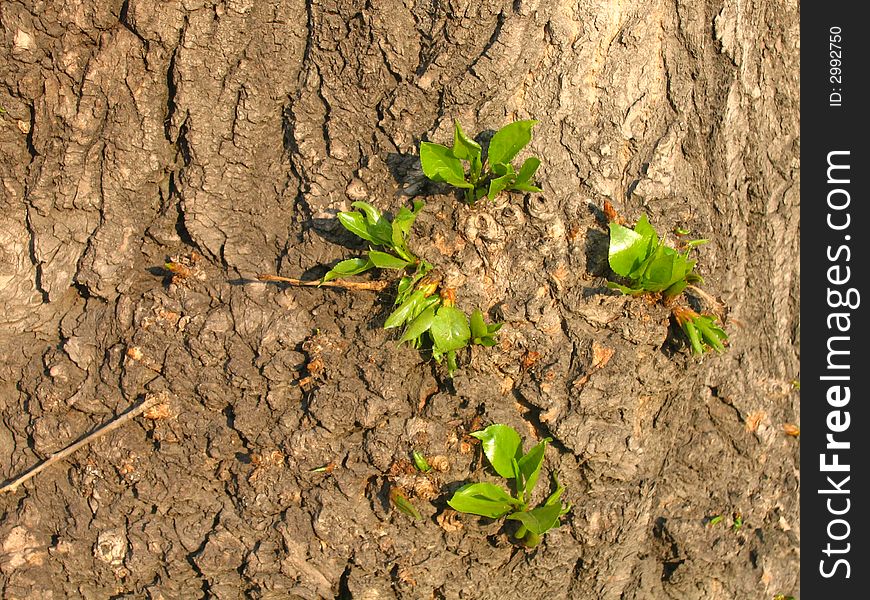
{"x": 115, "y": 423}
{"x": 371, "y": 286}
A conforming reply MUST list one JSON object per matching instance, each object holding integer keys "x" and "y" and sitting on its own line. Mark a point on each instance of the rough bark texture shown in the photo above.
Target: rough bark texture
{"x": 136, "y": 131}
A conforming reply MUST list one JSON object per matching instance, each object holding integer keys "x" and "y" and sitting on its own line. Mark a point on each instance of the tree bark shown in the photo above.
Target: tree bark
{"x": 226, "y": 136}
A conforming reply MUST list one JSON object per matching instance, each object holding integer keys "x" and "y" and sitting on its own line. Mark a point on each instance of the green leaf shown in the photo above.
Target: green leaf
{"x": 484, "y": 499}
{"x": 405, "y": 311}
{"x": 628, "y": 249}
{"x": 377, "y": 226}
{"x": 659, "y": 271}
{"x": 406, "y": 286}
{"x": 406, "y": 283}
{"x": 356, "y": 223}
{"x": 419, "y": 325}
{"x": 694, "y": 338}
{"x": 624, "y": 288}
{"x": 449, "y": 329}
{"x": 498, "y": 184}
{"x": 500, "y": 170}
{"x": 451, "y": 363}
{"x": 404, "y": 505}
{"x": 372, "y": 214}
{"x": 466, "y": 148}
{"x": 530, "y": 465}
{"x": 352, "y": 266}
{"x": 665, "y": 268}
{"x": 523, "y": 187}
{"x": 421, "y": 463}
{"x": 439, "y": 164}
{"x": 401, "y": 226}
{"x": 527, "y": 171}
{"x": 539, "y": 520}
{"x": 676, "y": 289}
{"x": 646, "y": 231}
{"x": 476, "y": 170}
{"x": 501, "y": 445}
{"x": 383, "y": 260}
{"x": 478, "y": 325}
{"x": 712, "y": 334}
{"x": 404, "y": 219}
{"x": 509, "y": 140}
{"x": 554, "y": 497}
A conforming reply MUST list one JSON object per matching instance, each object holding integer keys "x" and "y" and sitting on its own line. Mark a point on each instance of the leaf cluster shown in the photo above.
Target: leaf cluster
{"x": 651, "y": 266}
{"x": 504, "y": 450}
{"x": 369, "y": 224}
{"x": 647, "y": 263}
{"x": 431, "y": 319}
{"x": 463, "y": 165}
{"x": 703, "y": 332}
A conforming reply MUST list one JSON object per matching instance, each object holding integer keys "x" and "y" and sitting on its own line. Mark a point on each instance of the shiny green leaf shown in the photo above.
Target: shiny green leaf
{"x": 509, "y": 140}
{"x": 449, "y": 329}
{"x": 500, "y": 170}
{"x": 377, "y": 226}
{"x": 624, "y": 288}
{"x": 527, "y": 171}
{"x": 352, "y": 266}
{"x": 383, "y": 260}
{"x": 659, "y": 272}
{"x": 694, "y": 337}
{"x": 402, "y": 223}
{"x": 554, "y": 497}
{"x": 530, "y": 465}
{"x": 463, "y": 146}
{"x": 451, "y": 363}
{"x": 405, "y": 311}
{"x": 647, "y": 232}
{"x": 484, "y": 499}
{"x": 356, "y": 223}
{"x": 676, "y": 289}
{"x": 419, "y": 325}
{"x": 524, "y": 187}
{"x": 712, "y": 334}
{"x": 628, "y": 249}
{"x": 478, "y": 326}
{"x": 439, "y": 164}
{"x": 498, "y": 184}
{"x": 501, "y": 445}
{"x": 373, "y": 215}
{"x": 539, "y": 520}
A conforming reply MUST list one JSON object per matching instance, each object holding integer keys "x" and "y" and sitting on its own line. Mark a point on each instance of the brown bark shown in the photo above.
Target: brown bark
{"x": 137, "y": 132}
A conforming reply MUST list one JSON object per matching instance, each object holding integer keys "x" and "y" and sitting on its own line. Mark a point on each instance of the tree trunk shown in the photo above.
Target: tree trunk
{"x": 223, "y": 138}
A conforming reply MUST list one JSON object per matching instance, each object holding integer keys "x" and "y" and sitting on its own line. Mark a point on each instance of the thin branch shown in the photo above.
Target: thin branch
{"x": 115, "y": 423}
{"x": 717, "y": 306}
{"x": 371, "y": 286}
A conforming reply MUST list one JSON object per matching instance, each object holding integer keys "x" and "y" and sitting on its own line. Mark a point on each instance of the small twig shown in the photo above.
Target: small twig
{"x": 372, "y": 286}
{"x": 717, "y": 306}
{"x": 115, "y": 423}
